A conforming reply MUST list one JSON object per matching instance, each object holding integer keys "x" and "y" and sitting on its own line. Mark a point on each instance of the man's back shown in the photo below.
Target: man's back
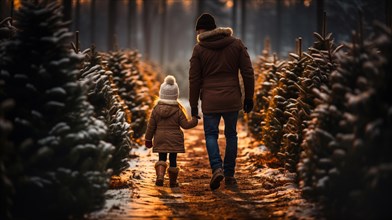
{"x": 215, "y": 63}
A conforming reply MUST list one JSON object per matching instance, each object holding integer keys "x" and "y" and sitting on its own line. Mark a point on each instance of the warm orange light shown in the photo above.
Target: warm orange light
{"x": 229, "y": 4}
{"x": 307, "y": 3}
{"x": 187, "y": 4}
{"x": 82, "y": 2}
{"x": 288, "y": 3}
{"x": 139, "y": 4}
{"x": 16, "y": 4}
{"x": 169, "y": 3}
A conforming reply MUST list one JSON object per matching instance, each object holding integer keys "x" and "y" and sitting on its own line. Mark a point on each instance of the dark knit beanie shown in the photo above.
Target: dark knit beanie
{"x": 205, "y": 21}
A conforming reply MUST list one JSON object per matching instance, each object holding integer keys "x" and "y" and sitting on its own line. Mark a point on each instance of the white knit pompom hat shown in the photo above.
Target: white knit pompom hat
{"x": 169, "y": 89}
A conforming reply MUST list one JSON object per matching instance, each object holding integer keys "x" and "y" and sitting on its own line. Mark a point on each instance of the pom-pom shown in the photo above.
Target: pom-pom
{"x": 170, "y": 80}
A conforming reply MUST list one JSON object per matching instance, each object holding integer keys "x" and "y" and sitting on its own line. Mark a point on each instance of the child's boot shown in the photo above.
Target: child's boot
{"x": 173, "y": 174}
{"x": 160, "y": 168}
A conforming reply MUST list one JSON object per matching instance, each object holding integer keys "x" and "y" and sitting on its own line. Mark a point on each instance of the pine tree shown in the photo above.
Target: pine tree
{"x": 142, "y": 97}
{"x": 313, "y": 87}
{"x": 7, "y": 190}
{"x": 7, "y": 31}
{"x": 103, "y": 95}
{"x": 59, "y": 165}
{"x": 319, "y": 63}
{"x": 283, "y": 96}
{"x": 125, "y": 76}
{"x": 266, "y": 74}
{"x": 346, "y": 160}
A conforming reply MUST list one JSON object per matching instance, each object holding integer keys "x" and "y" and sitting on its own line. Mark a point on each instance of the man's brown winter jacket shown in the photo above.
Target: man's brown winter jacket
{"x": 164, "y": 126}
{"x": 213, "y": 73}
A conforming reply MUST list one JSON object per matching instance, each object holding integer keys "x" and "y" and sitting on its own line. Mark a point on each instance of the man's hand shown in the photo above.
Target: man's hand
{"x": 148, "y": 143}
{"x": 248, "y": 105}
{"x": 195, "y": 112}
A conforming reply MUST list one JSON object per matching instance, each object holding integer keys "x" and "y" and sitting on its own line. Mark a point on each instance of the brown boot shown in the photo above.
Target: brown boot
{"x": 160, "y": 168}
{"x": 173, "y": 174}
{"x": 230, "y": 181}
{"x": 217, "y": 177}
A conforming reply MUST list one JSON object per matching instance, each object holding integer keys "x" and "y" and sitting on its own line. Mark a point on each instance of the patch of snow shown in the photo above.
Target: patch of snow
{"x": 321, "y": 183}
{"x": 56, "y": 91}
{"x": 22, "y": 121}
{"x": 31, "y": 87}
{"x": 339, "y": 153}
{"x": 49, "y": 140}
{"x": 20, "y": 76}
{"x": 59, "y": 128}
{"x": 40, "y": 182}
{"x": 55, "y": 104}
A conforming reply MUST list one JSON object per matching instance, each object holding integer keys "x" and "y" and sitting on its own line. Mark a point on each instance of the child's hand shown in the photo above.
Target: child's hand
{"x": 148, "y": 143}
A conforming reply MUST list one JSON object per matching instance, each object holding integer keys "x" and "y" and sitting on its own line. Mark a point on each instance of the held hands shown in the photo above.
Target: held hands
{"x": 248, "y": 105}
{"x": 195, "y": 112}
{"x": 148, "y": 143}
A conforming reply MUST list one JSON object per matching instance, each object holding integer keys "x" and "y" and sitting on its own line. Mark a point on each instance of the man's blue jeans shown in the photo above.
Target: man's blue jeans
{"x": 211, "y": 132}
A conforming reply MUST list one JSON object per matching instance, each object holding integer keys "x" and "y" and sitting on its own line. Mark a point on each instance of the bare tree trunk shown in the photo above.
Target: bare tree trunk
{"x": 388, "y": 13}
{"x": 77, "y": 16}
{"x": 163, "y": 31}
{"x": 12, "y": 10}
{"x": 131, "y": 24}
{"x": 147, "y": 29}
{"x": 243, "y": 20}
{"x": 320, "y": 15}
{"x": 278, "y": 26}
{"x": 112, "y": 25}
{"x": 234, "y": 21}
{"x": 67, "y": 11}
{"x": 258, "y": 39}
{"x": 4, "y": 12}
{"x": 200, "y": 8}
{"x": 92, "y": 19}
{"x": 170, "y": 53}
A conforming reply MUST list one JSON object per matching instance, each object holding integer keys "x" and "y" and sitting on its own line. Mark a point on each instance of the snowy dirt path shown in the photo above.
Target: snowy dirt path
{"x": 263, "y": 193}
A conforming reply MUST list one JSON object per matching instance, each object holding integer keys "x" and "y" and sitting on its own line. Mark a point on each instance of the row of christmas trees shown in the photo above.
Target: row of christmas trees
{"x": 327, "y": 115}
{"x": 68, "y": 119}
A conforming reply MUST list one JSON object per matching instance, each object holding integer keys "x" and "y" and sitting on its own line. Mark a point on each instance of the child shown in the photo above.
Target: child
{"x": 167, "y": 118}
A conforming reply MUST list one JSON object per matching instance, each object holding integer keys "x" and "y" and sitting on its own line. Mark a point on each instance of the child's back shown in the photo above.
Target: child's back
{"x": 166, "y": 121}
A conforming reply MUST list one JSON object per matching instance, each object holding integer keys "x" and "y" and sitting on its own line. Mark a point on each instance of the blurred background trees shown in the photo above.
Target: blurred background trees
{"x": 163, "y": 30}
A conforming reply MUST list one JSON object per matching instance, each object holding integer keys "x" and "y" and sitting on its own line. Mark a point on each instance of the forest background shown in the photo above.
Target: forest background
{"x": 163, "y": 30}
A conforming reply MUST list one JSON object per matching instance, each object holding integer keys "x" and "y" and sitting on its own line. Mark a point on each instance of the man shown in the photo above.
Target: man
{"x": 213, "y": 77}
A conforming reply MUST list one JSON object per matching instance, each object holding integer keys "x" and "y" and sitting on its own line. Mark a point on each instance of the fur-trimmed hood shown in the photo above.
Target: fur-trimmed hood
{"x": 167, "y": 101}
{"x": 166, "y": 108}
{"x": 215, "y": 39}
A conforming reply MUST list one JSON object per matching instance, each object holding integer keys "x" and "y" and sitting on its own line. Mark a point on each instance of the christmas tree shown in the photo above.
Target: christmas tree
{"x": 57, "y": 165}
{"x": 108, "y": 106}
